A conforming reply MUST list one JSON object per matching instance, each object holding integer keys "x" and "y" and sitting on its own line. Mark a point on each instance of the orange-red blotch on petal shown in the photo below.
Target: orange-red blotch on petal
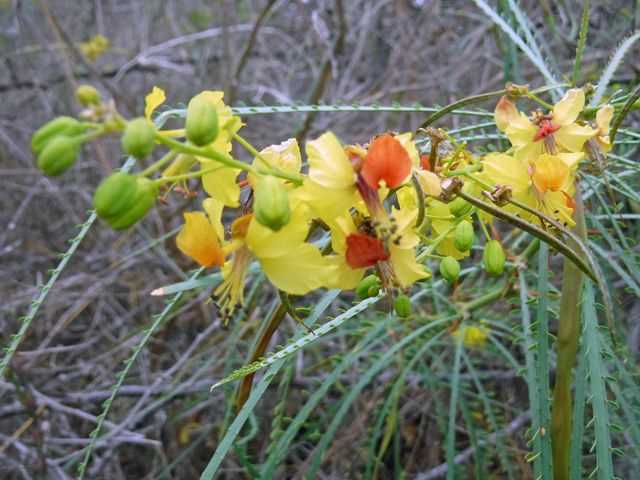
{"x": 364, "y": 250}
{"x": 569, "y": 201}
{"x": 386, "y": 160}
{"x": 198, "y": 240}
{"x": 425, "y": 162}
{"x": 545, "y": 129}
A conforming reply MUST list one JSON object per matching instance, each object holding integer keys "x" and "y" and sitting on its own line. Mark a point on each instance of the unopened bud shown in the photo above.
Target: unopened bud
{"x": 493, "y": 258}
{"x": 87, "y": 95}
{"x": 402, "y": 306}
{"x": 271, "y": 203}
{"x": 67, "y": 126}
{"x": 58, "y": 155}
{"x": 459, "y": 207}
{"x": 115, "y": 195}
{"x": 202, "y": 120}
{"x": 450, "y": 269}
{"x": 144, "y": 199}
{"x": 369, "y": 286}
{"x": 464, "y": 237}
{"x": 138, "y": 138}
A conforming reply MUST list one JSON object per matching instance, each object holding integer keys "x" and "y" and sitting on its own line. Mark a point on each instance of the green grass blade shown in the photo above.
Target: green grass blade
{"x": 229, "y": 438}
{"x": 597, "y": 372}
{"x": 582, "y": 41}
{"x": 577, "y": 426}
{"x": 453, "y": 405}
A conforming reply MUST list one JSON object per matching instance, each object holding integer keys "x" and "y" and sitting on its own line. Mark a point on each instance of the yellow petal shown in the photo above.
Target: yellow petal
{"x": 153, "y": 100}
{"x": 284, "y": 156}
{"x": 198, "y": 240}
{"x": 265, "y": 243}
{"x": 430, "y": 182}
{"x": 603, "y": 119}
{"x": 505, "y": 113}
{"x": 572, "y": 137}
{"x": 214, "y": 210}
{"x": 571, "y": 159}
{"x": 566, "y": 111}
{"x": 341, "y": 275}
{"x": 299, "y": 271}
{"x": 329, "y": 165}
{"x": 529, "y": 152}
{"x": 405, "y": 267}
{"x": 502, "y": 169}
{"x": 221, "y": 184}
{"x": 520, "y": 131}
{"x": 327, "y": 203}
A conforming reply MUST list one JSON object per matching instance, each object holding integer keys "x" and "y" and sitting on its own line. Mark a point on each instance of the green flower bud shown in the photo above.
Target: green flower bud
{"x": 464, "y": 237}
{"x": 402, "y": 306}
{"x": 369, "y": 286}
{"x": 459, "y": 207}
{"x": 144, "y": 199}
{"x": 87, "y": 95}
{"x": 493, "y": 258}
{"x": 115, "y": 195}
{"x": 450, "y": 269}
{"x": 202, "y": 121}
{"x": 271, "y": 203}
{"x": 67, "y": 126}
{"x": 138, "y": 138}
{"x": 58, "y": 155}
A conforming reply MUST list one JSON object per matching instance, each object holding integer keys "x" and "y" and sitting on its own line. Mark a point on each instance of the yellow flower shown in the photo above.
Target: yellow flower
{"x": 291, "y": 264}
{"x": 391, "y": 249}
{"x": 544, "y": 184}
{"x": 284, "y": 156}
{"x": 471, "y": 336}
{"x": 552, "y": 133}
{"x": 95, "y": 47}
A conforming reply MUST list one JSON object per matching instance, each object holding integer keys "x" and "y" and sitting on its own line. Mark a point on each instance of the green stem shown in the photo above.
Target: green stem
{"x": 537, "y": 99}
{"x": 159, "y": 164}
{"x": 567, "y": 346}
{"x": 227, "y": 160}
{"x": 186, "y": 176}
{"x": 251, "y": 149}
{"x": 582, "y": 40}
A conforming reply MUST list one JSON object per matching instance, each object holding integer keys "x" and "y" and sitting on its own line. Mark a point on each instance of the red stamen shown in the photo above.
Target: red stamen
{"x": 386, "y": 160}
{"x": 545, "y": 129}
{"x": 364, "y": 251}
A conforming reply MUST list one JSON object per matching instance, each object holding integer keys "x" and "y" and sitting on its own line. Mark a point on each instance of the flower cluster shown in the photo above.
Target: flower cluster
{"x": 363, "y": 217}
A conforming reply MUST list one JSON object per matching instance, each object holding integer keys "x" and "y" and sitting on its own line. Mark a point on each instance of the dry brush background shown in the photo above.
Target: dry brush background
{"x": 331, "y": 51}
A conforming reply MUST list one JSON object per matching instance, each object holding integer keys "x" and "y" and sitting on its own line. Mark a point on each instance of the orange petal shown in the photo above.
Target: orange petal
{"x": 386, "y": 160}
{"x": 549, "y": 173}
{"x": 198, "y": 240}
{"x": 364, "y": 250}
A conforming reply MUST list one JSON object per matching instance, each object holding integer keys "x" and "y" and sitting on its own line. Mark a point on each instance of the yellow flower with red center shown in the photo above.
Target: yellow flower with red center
{"x": 390, "y": 250}
{"x": 552, "y": 133}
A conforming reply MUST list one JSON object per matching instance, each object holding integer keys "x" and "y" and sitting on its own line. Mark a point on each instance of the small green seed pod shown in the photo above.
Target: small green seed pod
{"x": 145, "y": 198}
{"x": 67, "y": 126}
{"x": 271, "y": 203}
{"x": 369, "y": 286}
{"x": 464, "y": 237}
{"x": 115, "y": 195}
{"x": 138, "y": 138}
{"x": 459, "y": 207}
{"x": 402, "y": 306}
{"x": 493, "y": 258}
{"x": 58, "y": 155}
{"x": 450, "y": 269}
{"x": 87, "y": 95}
{"x": 202, "y": 121}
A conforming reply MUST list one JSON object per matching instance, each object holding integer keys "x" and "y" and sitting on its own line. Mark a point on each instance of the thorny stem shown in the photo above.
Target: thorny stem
{"x": 567, "y": 345}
